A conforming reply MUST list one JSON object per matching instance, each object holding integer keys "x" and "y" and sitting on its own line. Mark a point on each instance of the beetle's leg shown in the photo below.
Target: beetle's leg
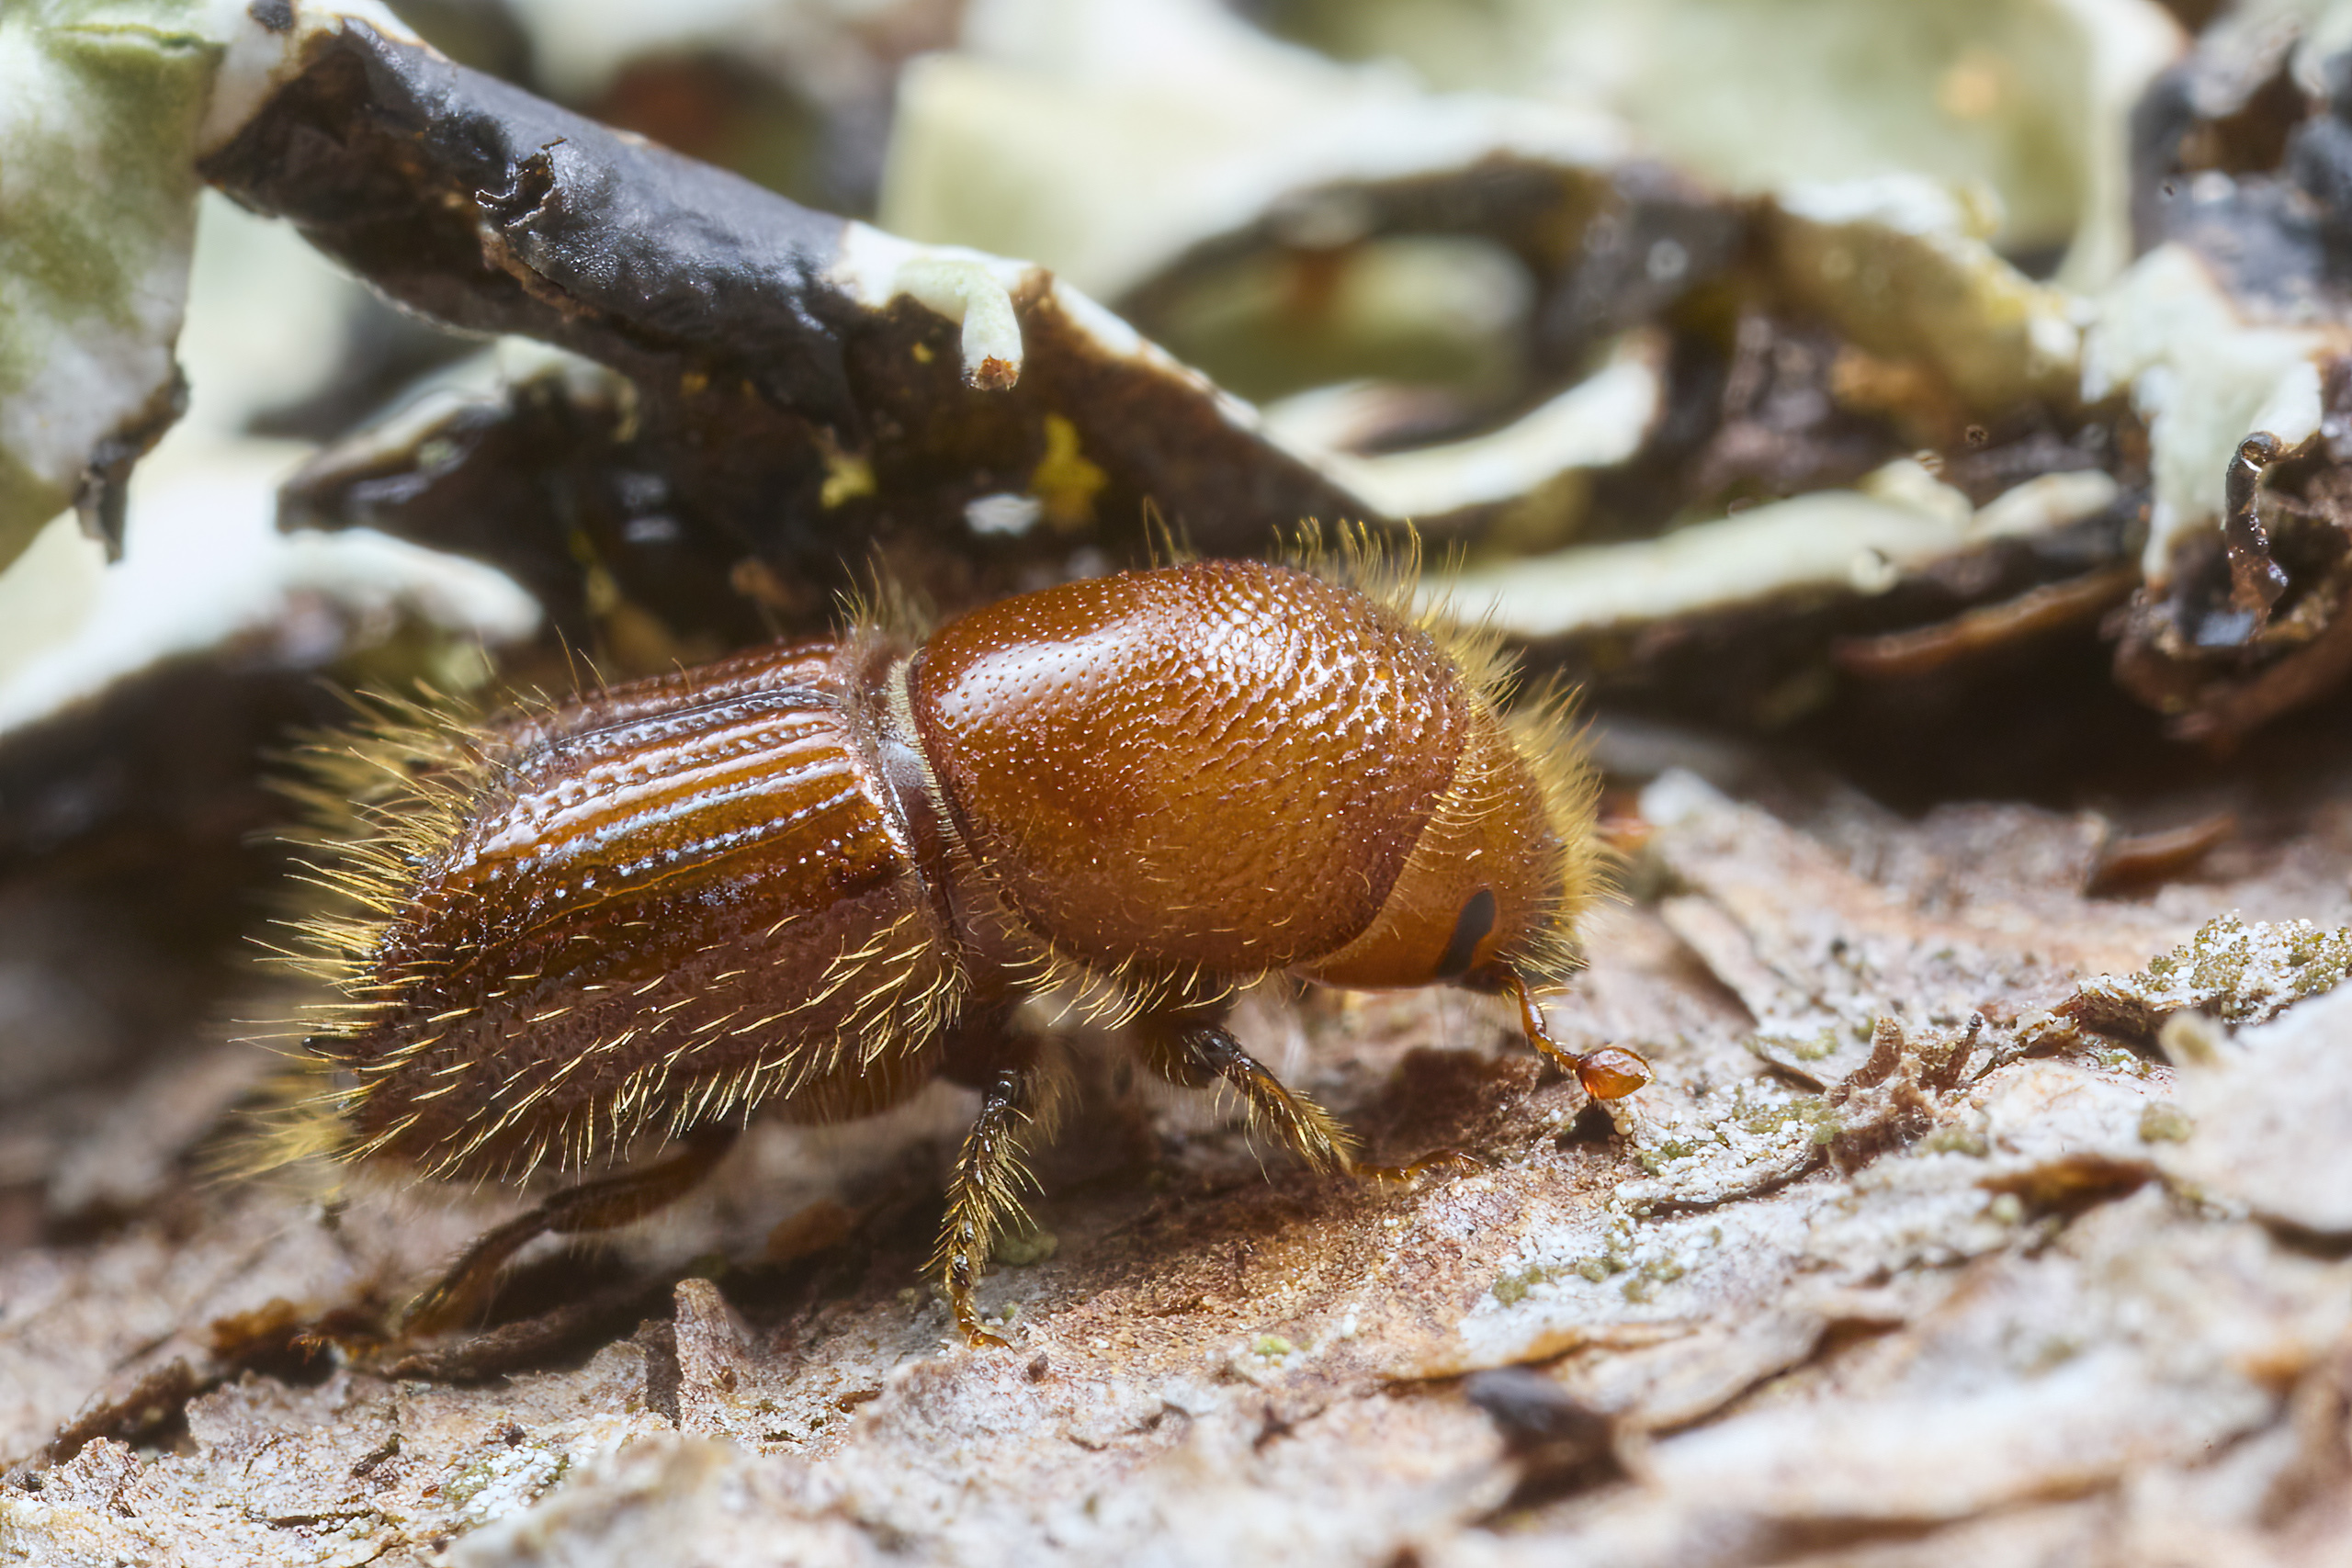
{"x": 985, "y": 1191}
{"x": 604, "y": 1205}
{"x": 1611, "y": 1072}
{"x": 1193, "y": 1053}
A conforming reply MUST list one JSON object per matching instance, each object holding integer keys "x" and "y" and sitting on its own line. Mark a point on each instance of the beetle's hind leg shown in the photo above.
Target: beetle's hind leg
{"x": 1193, "y": 1052}
{"x": 604, "y": 1205}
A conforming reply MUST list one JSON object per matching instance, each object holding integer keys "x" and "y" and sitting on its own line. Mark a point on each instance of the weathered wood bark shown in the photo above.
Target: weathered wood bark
{"x": 1898, "y": 1262}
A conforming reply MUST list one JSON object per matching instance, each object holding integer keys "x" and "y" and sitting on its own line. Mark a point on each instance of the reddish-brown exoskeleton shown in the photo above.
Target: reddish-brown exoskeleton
{"x": 806, "y": 880}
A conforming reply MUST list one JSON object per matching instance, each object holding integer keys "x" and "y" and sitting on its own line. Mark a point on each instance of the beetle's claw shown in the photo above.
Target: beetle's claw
{"x": 967, "y": 1319}
{"x": 1441, "y": 1159}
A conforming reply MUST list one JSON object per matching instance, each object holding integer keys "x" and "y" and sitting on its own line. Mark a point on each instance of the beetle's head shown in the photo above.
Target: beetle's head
{"x": 1496, "y": 879}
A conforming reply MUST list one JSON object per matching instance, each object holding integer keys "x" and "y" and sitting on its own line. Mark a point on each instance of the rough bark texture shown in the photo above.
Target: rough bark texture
{"x": 1902, "y": 1260}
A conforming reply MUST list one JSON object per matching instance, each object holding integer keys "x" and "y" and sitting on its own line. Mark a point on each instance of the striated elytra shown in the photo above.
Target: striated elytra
{"x": 806, "y": 880}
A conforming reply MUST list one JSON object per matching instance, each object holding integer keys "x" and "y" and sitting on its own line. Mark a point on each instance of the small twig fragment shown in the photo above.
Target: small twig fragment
{"x": 2047, "y": 608}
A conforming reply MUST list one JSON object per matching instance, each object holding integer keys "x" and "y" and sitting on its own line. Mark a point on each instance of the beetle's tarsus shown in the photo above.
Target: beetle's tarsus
{"x": 960, "y": 1279}
{"x": 1437, "y": 1159}
{"x": 985, "y": 1191}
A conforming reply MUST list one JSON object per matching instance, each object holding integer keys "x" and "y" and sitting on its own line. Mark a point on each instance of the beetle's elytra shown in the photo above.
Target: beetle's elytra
{"x": 805, "y": 880}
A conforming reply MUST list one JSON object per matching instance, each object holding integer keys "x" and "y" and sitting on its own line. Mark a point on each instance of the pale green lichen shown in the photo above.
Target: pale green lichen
{"x": 1747, "y": 1122}
{"x": 1648, "y": 1276}
{"x": 1642, "y": 1276}
{"x": 2162, "y": 1124}
{"x": 2232, "y": 971}
{"x": 504, "y": 1481}
{"x": 1514, "y": 1287}
{"x": 2240, "y": 972}
{"x": 1803, "y": 1110}
{"x": 1020, "y": 1251}
{"x": 1511, "y": 1288}
{"x": 1824, "y": 1044}
{"x": 101, "y": 103}
{"x": 2116, "y": 1059}
{"x": 1656, "y": 1157}
{"x": 1956, "y": 1141}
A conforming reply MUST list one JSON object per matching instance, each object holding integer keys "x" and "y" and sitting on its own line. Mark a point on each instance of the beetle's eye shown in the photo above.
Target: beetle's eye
{"x": 1470, "y": 929}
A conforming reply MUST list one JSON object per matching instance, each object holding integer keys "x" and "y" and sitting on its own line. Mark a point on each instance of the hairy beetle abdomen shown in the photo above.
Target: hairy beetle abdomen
{"x": 661, "y": 904}
{"x": 1222, "y": 766}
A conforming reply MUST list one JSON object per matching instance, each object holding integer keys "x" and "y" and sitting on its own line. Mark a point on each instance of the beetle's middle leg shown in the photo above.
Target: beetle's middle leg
{"x": 1193, "y": 1052}
{"x": 1015, "y": 1104}
{"x": 1022, "y": 1084}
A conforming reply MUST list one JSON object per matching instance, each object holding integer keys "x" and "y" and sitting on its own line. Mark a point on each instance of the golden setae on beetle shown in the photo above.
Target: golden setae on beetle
{"x": 805, "y": 880}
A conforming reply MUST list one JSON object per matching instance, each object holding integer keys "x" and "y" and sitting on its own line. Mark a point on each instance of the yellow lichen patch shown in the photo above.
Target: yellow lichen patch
{"x": 1064, "y": 482}
{"x": 848, "y": 475}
